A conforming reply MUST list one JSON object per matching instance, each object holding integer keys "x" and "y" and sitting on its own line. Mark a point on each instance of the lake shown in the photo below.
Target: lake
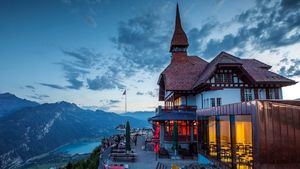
{"x": 82, "y": 147}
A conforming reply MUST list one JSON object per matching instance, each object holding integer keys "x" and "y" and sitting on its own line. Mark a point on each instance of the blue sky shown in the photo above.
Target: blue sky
{"x": 88, "y": 52}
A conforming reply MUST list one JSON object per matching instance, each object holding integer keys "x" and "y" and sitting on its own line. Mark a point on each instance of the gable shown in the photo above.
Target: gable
{"x": 255, "y": 72}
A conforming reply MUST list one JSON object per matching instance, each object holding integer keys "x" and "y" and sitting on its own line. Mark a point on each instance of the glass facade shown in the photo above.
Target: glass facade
{"x": 244, "y": 147}
{"x": 184, "y": 130}
{"x": 229, "y": 140}
{"x": 212, "y": 136}
{"x": 225, "y": 142}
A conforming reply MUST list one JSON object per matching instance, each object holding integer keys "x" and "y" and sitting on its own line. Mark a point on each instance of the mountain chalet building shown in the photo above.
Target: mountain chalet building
{"x": 229, "y": 110}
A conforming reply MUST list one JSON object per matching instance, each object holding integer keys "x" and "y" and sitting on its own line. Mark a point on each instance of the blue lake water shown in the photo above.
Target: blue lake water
{"x": 83, "y": 147}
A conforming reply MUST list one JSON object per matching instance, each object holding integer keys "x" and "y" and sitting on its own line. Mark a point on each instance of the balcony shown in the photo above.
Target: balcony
{"x": 161, "y": 109}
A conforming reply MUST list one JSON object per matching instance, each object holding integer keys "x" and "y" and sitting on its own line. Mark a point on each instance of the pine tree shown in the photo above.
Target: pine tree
{"x": 175, "y": 137}
{"x": 127, "y": 145}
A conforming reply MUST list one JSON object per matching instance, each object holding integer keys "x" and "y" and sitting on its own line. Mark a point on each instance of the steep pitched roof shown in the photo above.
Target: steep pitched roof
{"x": 261, "y": 75}
{"x": 182, "y": 72}
{"x": 179, "y": 37}
{"x": 257, "y": 71}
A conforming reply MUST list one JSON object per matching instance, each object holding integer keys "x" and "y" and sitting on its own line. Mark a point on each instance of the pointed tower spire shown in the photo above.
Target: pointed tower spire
{"x": 179, "y": 41}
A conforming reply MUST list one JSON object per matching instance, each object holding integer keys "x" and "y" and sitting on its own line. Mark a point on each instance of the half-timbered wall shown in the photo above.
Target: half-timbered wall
{"x": 225, "y": 78}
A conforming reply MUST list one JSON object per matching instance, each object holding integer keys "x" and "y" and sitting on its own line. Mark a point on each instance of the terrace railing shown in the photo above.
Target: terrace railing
{"x": 176, "y": 108}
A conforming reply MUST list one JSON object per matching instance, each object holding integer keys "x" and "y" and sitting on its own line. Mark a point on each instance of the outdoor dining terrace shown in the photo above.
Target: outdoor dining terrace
{"x": 143, "y": 156}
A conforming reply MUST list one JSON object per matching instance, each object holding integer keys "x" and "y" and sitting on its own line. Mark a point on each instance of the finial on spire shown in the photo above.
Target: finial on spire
{"x": 179, "y": 41}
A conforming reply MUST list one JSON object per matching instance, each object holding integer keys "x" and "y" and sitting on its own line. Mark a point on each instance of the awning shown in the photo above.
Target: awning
{"x": 174, "y": 116}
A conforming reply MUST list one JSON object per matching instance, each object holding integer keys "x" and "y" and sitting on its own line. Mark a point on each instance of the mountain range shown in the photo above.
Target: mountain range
{"x": 141, "y": 115}
{"x": 29, "y": 129}
{"x": 10, "y": 103}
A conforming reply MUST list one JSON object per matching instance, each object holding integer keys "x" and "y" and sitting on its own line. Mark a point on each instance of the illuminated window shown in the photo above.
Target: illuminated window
{"x": 184, "y": 130}
{"x": 244, "y": 147}
{"x": 225, "y": 152}
{"x": 212, "y": 136}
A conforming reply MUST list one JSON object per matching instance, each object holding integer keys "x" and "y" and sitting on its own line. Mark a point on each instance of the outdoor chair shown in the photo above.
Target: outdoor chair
{"x": 163, "y": 153}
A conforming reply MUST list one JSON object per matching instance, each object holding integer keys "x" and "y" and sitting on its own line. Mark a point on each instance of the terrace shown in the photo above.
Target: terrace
{"x": 147, "y": 159}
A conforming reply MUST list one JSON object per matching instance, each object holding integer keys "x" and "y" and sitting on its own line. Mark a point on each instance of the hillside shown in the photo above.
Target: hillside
{"x": 36, "y": 130}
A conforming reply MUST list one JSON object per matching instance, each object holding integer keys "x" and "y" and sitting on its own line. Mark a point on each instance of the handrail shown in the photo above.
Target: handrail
{"x": 177, "y": 108}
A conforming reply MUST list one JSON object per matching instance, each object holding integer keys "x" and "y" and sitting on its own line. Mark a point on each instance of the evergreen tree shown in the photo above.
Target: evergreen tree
{"x": 175, "y": 137}
{"x": 127, "y": 145}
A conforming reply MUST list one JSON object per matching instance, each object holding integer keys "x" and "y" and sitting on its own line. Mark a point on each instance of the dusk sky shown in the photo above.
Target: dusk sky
{"x": 88, "y": 52}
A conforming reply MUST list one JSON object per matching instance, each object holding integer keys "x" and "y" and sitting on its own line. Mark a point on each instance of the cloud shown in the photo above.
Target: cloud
{"x": 39, "y": 96}
{"x": 149, "y": 93}
{"x": 84, "y": 58}
{"x": 104, "y": 82}
{"x": 82, "y": 62}
{"x": 152, "y": 94}
{"x": 114, "y": 101}
{"x": 30, "y": 87}
{"x": 97, "y": 71}
{"x": 54, "y": 86}
{"x": 266, "y": 26}
{"x": 108, "y": 104}
{"x": 196, "y": 36}
{"x": 143, "y": 42}
{"x": 290, "y": 67}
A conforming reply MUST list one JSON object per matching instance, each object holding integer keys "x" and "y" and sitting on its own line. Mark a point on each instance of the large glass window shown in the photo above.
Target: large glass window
{"x": 225, "y": 152}
{"x": 212, "y": 136}
{"x": 244, "y": 147}
{"x": 184, "y": 130}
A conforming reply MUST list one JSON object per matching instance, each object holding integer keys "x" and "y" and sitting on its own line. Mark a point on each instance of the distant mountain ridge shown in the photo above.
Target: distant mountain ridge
{"x": 32, "y": 131}
{"x": 10, "y": 103}
{"x": 141, "y": 115}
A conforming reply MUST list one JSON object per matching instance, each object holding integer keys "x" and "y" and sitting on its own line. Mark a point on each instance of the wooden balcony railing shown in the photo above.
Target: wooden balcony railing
{"x": 177, "y": 108}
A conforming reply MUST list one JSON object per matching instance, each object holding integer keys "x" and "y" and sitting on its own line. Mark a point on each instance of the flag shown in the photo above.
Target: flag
{"x": 124, "y": 93}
